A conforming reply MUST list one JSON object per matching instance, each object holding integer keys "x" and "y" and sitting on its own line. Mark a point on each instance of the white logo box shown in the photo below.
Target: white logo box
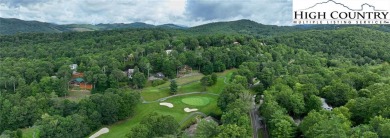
{"x": 341, "y": 12}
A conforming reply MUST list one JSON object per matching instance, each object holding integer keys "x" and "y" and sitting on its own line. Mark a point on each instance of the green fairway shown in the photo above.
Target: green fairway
{"x": 196, "y": 101}
{"x": 205, "y": 103}
{"x": 120, "y": 129}
{"x": 186, "y": 85}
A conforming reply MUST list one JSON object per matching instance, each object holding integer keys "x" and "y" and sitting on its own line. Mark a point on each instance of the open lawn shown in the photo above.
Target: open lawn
{"x": 120, "y": 129}
{"x": 186, "y": 85}
{"x": 196, "y": 101}
{"x": 77, "y": 95}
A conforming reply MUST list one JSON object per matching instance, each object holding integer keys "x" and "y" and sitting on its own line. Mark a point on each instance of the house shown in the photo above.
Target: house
{"x": 130, "y": 73}
{"x": 77, "y": 81}
{"x": 325, "y": 105}
{"x": 77, "y": 74}
{"x": 73, "y": 67}
{"x": 168, "y": 52}
{"x": 236, "y": 43}
{"x": 160, "y": 75}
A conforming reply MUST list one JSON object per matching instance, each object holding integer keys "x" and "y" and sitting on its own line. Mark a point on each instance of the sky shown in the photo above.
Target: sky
{"x": 181, "y": 12}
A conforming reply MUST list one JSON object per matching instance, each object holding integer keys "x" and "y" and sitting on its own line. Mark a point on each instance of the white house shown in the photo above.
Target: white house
{"x": 168, "y": 51}
{"x": 73, "y": 66}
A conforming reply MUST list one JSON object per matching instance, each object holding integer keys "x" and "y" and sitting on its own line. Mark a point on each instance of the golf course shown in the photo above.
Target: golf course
{"x": 191, "y": 95}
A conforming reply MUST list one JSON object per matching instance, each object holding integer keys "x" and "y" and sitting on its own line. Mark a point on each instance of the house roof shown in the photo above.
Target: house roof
{"x": 79, "y": 79}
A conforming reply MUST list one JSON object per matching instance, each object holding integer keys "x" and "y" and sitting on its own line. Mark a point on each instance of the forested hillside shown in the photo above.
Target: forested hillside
{"x": 15, "y": 26}
{"x": 291, "y": 69}
{"x": 243, "y": 27}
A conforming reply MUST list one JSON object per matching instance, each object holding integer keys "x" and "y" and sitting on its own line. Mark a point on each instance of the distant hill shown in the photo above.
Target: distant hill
{"x": 13, "y": 26}
{"x": 173, "y": 26}
{"x": 243, "y": 27}
{"x": 9, "y": 26}
{"x": 122, "y": 25}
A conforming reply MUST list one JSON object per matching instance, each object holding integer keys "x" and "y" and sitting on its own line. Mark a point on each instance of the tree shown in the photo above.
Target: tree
{"x": 140, "y": 131}
{"x": 282, "y": 128}
{"x": 214, "y": 78}
{"x": 207, "y": 68}
{"x": 337, "y": 94}
{"x": 313, "y": 103}
{"x": 155, "y": 125}
{"x": 206, "y": 81}
{"x": 57, "y": 126}
{"x": 173, "y": 87}
{"x": 207, "y": 129}
{"x": 232, "y": 131}
{"x": 229, "y": 94}
{"x": 240, "y": 80}
{"x": 325, "y": 124}
{"x": 139, "y": 80}
{"x": 381, "y": 126}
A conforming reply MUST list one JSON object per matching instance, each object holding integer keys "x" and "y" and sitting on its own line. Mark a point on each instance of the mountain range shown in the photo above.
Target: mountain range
{"x": 10, "y": 26}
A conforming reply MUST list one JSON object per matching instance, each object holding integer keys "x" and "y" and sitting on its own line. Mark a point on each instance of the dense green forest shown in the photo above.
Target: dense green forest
{"x": 294, "y": 69}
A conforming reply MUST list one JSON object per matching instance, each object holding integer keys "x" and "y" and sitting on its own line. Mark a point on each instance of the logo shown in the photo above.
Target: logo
{"x": 341, "y": 12}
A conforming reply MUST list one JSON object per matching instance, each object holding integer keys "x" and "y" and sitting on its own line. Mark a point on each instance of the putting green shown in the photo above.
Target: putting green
{"x": 196, "y": 101}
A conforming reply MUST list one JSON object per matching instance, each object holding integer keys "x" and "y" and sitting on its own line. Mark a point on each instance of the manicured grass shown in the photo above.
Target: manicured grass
{"x": 152, "y": 93}
{"x": 120, "y": 129}
{"x": 196, "y": 101}
{"x": 187, "y": 84}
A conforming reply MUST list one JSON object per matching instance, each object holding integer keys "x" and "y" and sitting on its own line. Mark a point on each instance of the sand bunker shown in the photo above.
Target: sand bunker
{"x": 167, "y": 104}
{"x": 190, "y": 110}
{"x": 100, "y": 132}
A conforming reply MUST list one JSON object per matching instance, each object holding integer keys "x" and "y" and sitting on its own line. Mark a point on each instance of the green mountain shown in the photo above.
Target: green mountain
{"x": 13, "y": 26}
{"x": 123, "y": 25}
{"x": 243, "y": 27}
{"x": 172, "y": 26}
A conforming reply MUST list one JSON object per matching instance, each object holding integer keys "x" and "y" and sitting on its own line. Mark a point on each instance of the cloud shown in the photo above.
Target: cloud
{"x": 17, "y": 3}
{"x": 183, "y": 12}
{"x": 276, "y": 12}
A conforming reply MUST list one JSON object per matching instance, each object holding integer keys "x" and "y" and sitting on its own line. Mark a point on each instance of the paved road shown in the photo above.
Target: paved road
{"x": 254, "y": 124}
{"x": 191, "y": 115}
{"x": 255, "y": 119}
